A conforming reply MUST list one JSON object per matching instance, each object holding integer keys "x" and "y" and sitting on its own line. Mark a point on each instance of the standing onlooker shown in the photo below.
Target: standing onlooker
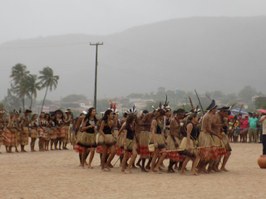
{"x": 263, "y": 121}
{"x": 244, "y": 129}
{"x": 252, "y": 131}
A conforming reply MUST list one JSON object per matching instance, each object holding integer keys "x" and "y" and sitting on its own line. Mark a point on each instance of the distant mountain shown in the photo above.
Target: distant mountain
{"x": 206, "y": 53}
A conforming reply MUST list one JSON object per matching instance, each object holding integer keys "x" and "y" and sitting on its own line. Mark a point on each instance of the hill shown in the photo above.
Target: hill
{"x": 206, "y": 53}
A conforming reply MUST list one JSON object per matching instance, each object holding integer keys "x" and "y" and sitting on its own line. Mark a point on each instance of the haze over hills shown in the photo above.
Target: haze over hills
{"x": 206, "y": 53}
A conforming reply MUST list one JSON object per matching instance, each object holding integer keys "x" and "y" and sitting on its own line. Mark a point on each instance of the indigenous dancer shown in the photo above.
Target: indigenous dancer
{"x": 217, "y": 139}
{"x": 42, "y": 131}
{"x": 143, "y": 125}
{"x": 120, "y": 138}
{"x": 166, "y": 124}
{"x": 224, "y": 114}
{"x": 158, "y": 140}
{"x": 24, "y": 138}
{"x": 68, "y": 122}
{"x": 59, "y": 123}
{"x": 18, "y": 128}
{"x": 33, "y": 126}
{"x": 205, "y": 138}
{"x": 47, "y": 132}
{"x": 53, "y": 132}
{"x": 190, "y": 143}
{"x": 3, "y": 123}
{"x": 172, "y": 142}
{"x": 78, "y": 134}
{"x": 10, "y": 133}
{"x": 106, "y": 139}
{"x": 88, "y": 139}
{"x": 177, "y": 130}
{"x": 129, "y": 142}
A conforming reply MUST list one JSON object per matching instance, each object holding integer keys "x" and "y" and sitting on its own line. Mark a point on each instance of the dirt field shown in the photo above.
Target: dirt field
{"x": 56, "y": 174}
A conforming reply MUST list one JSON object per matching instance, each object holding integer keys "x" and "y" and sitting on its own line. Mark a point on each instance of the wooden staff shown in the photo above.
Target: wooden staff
{"x": 190, "y": 101}
{"x": 199, "y": 101}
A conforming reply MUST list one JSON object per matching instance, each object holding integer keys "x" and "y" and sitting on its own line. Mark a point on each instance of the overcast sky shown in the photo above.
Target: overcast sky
{"x": 20, "y": 19}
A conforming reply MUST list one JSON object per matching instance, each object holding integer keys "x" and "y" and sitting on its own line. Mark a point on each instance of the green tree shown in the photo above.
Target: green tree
{"x": 247, "y": 93}
{"x": 73, "y": 98}
{"x": 48, "y": 81}
{"x": 11, "y": 101}
{"x": 19, "y": 73}
{"x": 102, "y": 105}
{"x": 31, "y": 87}
{"x": 260, "y": 103}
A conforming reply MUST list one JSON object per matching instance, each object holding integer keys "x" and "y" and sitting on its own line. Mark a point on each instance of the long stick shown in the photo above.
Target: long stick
{"x": 199, "y": 102}
{"x": 191, "y": 103}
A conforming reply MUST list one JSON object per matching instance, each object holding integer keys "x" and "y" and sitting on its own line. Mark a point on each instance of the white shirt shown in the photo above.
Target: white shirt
{"x": 263, "y": 124}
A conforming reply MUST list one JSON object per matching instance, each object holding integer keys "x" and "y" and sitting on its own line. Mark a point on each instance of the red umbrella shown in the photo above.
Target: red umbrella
{"x": 230, "y": 117}
{"x": 262, "y": 111}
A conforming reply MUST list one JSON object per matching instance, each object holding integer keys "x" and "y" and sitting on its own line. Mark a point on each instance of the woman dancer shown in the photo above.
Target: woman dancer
{"x": 59, "y": 123}
{"x": 106, "y": 139}
{"x": 158, "y": 140}
{"x": 190, "y": 144}
{"x": 143, "y": 132}
{"x": 41, "y": 131}
{"x": 10, "y": 133}
{"x": 88, "y": 137}
{"x": 129, "y": 142}
{"x": 53, "y": 132}
{"x": 33, "y": 131}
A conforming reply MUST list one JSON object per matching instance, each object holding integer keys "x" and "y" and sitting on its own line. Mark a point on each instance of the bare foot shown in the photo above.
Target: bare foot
{"x": 147, "y": 167}
{"x": 194, "y": 173}
{"x": 216, "y": 170}
{"x": 156, "y": 170}
{"x": 224, "y": 169}
{"x": 171, "y": 171}
{"x": 143, "y": 169}
{"x": 182, "y": 172}
{"x": 106, "y": 169}
{"x": 90, "y": 167}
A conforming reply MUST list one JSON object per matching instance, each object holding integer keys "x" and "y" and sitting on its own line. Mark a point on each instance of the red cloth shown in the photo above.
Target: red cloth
{"x": 79, "y": 148}
{"x": 144, "y": 150}
{"x": 244, "y": 123}
{"x": 175, "y": 156}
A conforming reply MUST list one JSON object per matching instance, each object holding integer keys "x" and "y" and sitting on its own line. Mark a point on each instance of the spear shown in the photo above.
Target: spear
{"x": 190, "y": 101}
{"x": 199, "y": 101}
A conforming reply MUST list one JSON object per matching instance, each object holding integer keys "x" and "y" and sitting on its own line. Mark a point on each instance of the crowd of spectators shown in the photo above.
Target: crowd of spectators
{"x": 245, "y": 128}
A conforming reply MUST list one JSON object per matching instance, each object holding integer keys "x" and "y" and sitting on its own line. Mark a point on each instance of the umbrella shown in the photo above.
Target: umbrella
{"x": 262, "y": 111}
{"x": 237, "y": 111}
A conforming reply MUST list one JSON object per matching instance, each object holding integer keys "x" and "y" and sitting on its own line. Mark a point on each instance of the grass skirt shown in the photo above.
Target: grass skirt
{"x": 160, "y": 140}
{"x": 24, "y": 137}
{"x": 87, "y": 140}
{"x": 108, "y": 140}
{"x": 144, "y": 139}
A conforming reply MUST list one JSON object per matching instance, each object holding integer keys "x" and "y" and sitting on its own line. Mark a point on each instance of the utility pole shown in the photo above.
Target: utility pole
{"x": 96, "y": 68}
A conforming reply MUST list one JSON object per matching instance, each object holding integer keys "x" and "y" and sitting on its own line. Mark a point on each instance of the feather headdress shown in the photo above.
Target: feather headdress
{"x": 113, "y": 107}
{"x": 166, "y": 106}
{"x": 132, "y": 110}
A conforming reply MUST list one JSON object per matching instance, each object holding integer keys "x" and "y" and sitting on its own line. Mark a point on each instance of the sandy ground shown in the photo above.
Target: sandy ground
{"x": 56, "y": 174}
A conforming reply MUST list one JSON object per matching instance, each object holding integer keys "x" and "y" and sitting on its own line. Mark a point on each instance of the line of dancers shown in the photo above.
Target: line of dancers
{"x": 149, "y": 140}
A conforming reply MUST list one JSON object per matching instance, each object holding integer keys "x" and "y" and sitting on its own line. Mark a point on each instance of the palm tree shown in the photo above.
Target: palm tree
{"x": 48, "y": 80}
{"x": 18, "y": 74}
{"x": 31, "y": 87}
